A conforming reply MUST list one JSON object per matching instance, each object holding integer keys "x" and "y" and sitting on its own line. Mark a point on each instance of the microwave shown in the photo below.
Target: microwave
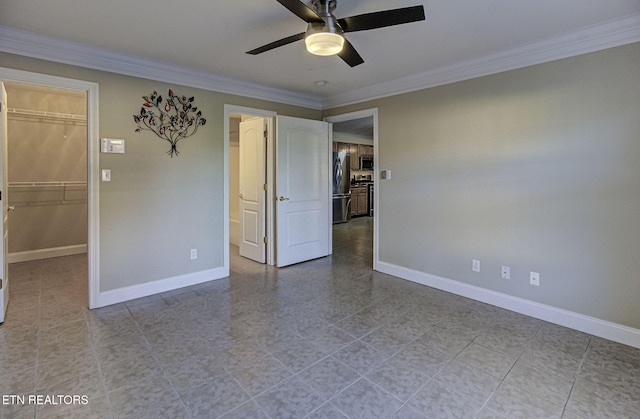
{"x": 366, "y": 163}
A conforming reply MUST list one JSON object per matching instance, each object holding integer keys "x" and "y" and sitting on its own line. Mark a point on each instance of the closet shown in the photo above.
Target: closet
{"x": 47, "y": 171}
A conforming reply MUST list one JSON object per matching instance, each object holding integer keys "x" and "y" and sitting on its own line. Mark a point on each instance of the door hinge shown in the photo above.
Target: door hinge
{"x": 266, "y": 133}
{"x": 265, "y": 187}
{"x": 264, "y": 239}
{"x": 0, "y": 284}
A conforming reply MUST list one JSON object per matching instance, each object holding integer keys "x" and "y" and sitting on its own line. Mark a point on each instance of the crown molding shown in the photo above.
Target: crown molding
{"x": 598, "y": 37}
{"x": 595, "y": 38}
{"x": 16, "y": 41}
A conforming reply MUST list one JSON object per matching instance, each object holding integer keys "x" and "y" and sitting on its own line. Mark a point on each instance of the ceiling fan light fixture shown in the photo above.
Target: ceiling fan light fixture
{"x": 324, "y": 43}
{"x": 324, "y": 38}
{"x": 325, "y": 33}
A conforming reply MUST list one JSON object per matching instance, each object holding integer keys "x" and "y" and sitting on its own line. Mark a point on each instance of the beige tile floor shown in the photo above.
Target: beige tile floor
{"x": 329, "y": 338}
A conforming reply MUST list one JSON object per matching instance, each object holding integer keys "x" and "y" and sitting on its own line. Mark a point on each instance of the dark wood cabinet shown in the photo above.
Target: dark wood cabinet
{"x": 342, "y": 147}
{"x": 359, "y": 202}
{"x": 354, "y": 155}
{"x": 365, "y": 150}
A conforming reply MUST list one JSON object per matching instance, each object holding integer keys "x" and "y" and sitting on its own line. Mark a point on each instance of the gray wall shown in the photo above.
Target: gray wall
{"x": 535, "y": 168}
{"x": 156, "y": 208}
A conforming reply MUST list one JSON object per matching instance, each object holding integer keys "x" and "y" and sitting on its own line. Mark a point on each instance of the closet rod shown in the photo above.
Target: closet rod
{"x": 40, "y": 184}
{"x": 49, "y": 203}
{"x": 46, "y": 115}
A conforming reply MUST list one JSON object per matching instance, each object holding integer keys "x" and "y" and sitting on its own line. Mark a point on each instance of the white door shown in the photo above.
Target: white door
{"x": 252, "y": 191}
{"x": 4, "y": 203}
{"x": 302, "y": 190}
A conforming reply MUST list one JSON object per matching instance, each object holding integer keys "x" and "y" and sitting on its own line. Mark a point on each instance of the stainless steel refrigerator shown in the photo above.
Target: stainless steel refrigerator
{"x": 341, "y": 187}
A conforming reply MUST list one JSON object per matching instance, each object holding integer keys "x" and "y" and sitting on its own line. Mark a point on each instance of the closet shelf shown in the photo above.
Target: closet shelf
{"x": 47, "y": 193}
{"x": 42, "y": 115}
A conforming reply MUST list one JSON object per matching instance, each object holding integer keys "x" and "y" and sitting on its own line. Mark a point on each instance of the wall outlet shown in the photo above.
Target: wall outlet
{"x": 475, "y": 265}
{"x": 506, "y": 272}
{"x": 534, "y": 278}
{"x": 194, "y": 254}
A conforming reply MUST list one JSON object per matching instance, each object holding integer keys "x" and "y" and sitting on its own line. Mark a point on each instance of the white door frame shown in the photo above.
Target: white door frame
{"x": 270, "y": 115}
{"x": 93, "y": 186}
{"x": 373, "y": 112}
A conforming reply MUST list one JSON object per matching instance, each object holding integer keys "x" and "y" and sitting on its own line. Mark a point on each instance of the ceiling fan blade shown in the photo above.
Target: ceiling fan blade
{"x": 276, "y": 44}
{"x": 350, "y": 55}
{"x": 301, "y": 10}
{"x": 382, "y": 19}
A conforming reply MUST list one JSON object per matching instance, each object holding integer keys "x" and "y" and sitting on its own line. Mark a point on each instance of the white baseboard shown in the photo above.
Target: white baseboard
{"x": 107, "y": 298}
{"x": 594, "y": 326}
{"x": 52, "y": 252}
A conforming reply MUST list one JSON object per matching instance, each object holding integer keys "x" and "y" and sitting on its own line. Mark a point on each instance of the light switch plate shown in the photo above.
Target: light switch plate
{"x": 112, "y": 145}
{"x": 106, "y": 175}
{"x": 385, "y": 174}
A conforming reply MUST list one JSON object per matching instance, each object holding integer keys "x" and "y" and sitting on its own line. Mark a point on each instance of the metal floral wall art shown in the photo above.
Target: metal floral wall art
{"x": 172, "y": 120}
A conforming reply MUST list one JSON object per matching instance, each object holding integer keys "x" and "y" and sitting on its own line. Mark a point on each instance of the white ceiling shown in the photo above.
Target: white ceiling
{"x": 211, "y": 37}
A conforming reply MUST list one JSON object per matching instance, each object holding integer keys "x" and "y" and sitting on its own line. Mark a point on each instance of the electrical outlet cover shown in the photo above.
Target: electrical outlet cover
{"x": 475, "y": 265}
{"x": 534, "y": 278}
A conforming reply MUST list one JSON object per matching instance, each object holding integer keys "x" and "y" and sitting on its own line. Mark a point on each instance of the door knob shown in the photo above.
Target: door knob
{"x": 282, "y": 198}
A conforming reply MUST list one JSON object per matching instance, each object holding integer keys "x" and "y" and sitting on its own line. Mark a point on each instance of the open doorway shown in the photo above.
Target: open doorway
{"x": 47, "y": 161}
{"x": 257, "y": 204}
{"x": 355, "y": 152}
{"x": 247, "y": 176}
{"x": 90, "y": 90}
{"x": 296, "y": 188}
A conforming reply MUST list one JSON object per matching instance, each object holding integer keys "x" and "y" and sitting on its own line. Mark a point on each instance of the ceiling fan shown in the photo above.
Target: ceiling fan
{"x": 325, "y": 33}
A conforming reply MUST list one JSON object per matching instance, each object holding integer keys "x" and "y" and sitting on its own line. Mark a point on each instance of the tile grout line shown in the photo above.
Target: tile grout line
{"x": 146, "y": 340}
